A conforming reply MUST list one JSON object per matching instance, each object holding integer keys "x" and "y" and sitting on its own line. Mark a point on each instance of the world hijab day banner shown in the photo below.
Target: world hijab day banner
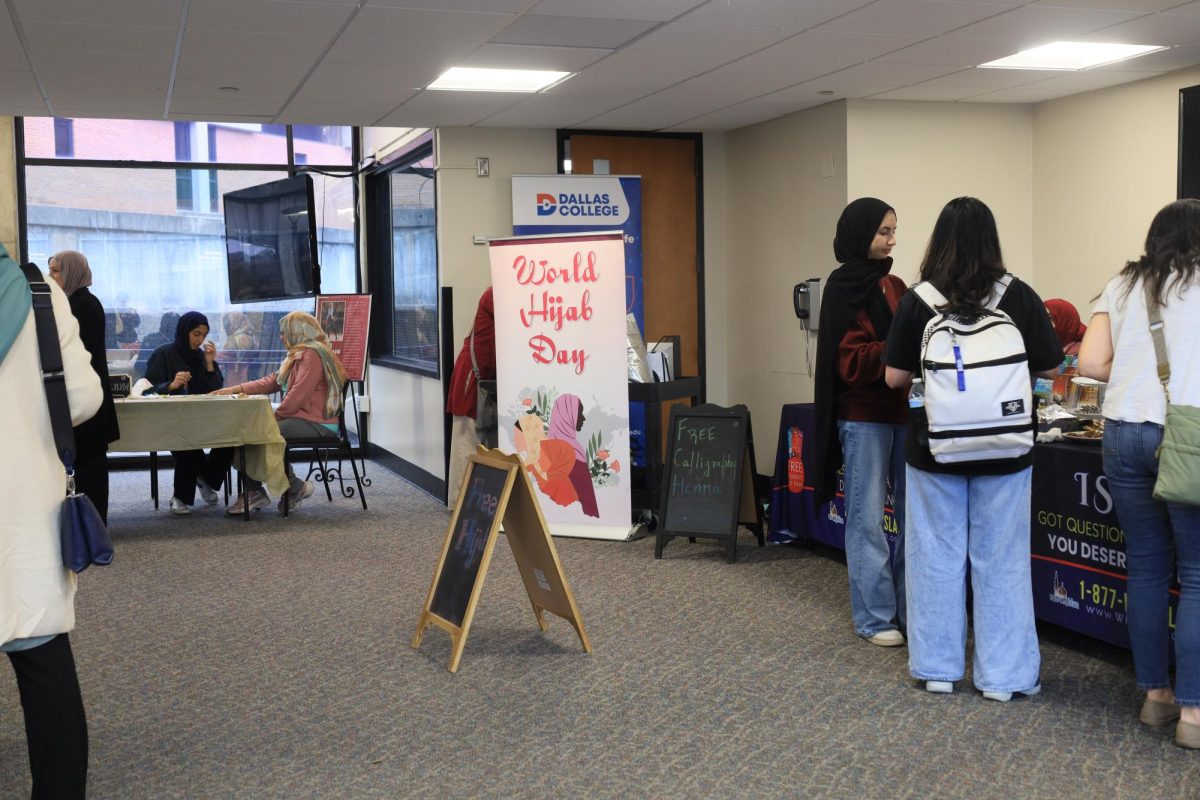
{"x": 561, "y": 375}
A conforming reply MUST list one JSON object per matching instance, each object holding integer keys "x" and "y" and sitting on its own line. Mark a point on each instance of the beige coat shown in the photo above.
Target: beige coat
{"x": 37, "y": 593}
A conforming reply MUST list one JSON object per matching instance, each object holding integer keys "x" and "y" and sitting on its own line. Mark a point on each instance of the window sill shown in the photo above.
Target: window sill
{"x": 406, "y": 365}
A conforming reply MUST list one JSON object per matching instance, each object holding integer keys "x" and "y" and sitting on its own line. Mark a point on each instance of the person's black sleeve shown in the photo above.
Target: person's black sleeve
{"x": 91, "y": 333}
{"x": 213, "y": 380}
{"x": 158, "y": 372}
{"x": 1041, "y": 342}
{"x": 903, "y": 342}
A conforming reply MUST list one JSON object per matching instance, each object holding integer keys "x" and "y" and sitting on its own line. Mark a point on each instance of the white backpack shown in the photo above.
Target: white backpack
{"x": 978, "y": 391}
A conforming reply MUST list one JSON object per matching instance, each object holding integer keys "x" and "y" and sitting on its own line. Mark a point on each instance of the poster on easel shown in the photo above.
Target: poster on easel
{"x": 561, "y": 379}
{"x": 578, "y": 203}
{"x": 496, "y": 490}
{"x": 346, "y": 320}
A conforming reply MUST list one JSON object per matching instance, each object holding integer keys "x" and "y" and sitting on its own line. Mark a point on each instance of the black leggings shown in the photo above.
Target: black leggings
{"x": 192, "y": 464}
{"x": 55, "y": 723}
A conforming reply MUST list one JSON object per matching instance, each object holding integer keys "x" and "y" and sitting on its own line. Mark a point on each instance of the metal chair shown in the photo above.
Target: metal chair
{"x": 320, "y": 469}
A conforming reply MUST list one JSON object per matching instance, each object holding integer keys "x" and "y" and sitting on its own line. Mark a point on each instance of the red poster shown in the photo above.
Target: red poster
{"x": 346, "y": 318}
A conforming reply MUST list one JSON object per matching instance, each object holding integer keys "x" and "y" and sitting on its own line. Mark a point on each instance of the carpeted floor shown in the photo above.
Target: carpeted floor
{"x": 221, "y": 659}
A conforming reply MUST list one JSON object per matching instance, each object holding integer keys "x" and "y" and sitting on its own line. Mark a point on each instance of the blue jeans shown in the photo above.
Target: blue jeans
{"x": 1158, "y": 537}
{"x": 873, "y": 453}
{"x": 980, "y": 521}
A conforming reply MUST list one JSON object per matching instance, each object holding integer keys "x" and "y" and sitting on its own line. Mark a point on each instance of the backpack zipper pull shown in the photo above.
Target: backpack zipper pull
{"x": 958, "y": 363}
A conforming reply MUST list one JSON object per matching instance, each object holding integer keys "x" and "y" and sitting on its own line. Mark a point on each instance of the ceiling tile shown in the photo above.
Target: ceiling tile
{"x": 14, "y": 83}
{"x": 925, "y": 92}
{"x": 292, "y": 47}
{"x": 741, "y": 116}
{"x": 878, "y": 73}
{"x": 787, "y": 15}
{"x": 429, "y": 109}
{"x": 134, "y": 64}
{"x": 838, "y": 48}
{"x": 913, "y": 17}
{"x": 722, "y": 44}
{"x": 261, "y": 119}
{"x": 494, "y": 6}
{"x": 268, "y": 16}
{"x": 648, "y": 119}
{"x": 197, "y": 72}
{"x": 1180, "y": 57}
{"x": 572, "y": 31}
{"x": 1141, "y": 6}
{"x": 353, "y": 83}
{"x": 251, "y": 86}
{"x": 79, "y": 83}
{"x": 950, "y": 52}
{"x": 525, "y": 56}
{"x": 437, "y": 57}
{"x": 991, "y": 79}
{"x": 1159, "y": 29}
{"x": 653, "y": 10}
{"x": 218, "y": 107}
{"x": 99, "y": 105}
{"x": 43, "y": 35}
{"x": 1059, "y": 87}
{"x": 1031, "y": 26}
{"x": 100, "y": 12}
{"x": 420, "y": 25}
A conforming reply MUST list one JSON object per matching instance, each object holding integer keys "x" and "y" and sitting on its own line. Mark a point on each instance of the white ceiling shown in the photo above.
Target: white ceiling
{"x": 689, "y": 65}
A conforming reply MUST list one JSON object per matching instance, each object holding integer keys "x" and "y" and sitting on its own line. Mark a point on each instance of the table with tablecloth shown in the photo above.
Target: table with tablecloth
{"x": 195, "y": 422}
{"x": 1077, "y": 545}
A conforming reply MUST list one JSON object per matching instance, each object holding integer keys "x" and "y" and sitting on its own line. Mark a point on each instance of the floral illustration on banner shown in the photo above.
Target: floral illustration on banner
{"x": 565, "y": 469}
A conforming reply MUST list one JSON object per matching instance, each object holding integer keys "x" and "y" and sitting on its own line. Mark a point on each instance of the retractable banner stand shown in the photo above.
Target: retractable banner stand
{"x": 561, "y": 375}
{"x": 580, "y": 203}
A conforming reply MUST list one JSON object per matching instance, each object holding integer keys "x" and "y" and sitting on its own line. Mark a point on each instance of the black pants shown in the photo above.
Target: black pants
{"x": 55, "y": 723}
{"x": 91, "y": 478}
{"x": 192, "y": 464}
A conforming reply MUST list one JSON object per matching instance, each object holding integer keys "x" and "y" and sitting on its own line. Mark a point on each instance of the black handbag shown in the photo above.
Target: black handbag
{"x": 84, "y": 537}
{"x": 486, "y": 406}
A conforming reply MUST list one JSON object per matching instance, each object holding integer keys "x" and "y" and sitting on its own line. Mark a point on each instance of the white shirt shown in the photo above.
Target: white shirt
{"x": 37, "y": 592}
{"x": 1134, "y": 393}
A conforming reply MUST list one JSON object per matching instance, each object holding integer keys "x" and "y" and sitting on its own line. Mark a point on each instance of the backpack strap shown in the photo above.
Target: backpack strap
{"x": 998, "y": 291}
{"x": 929, "y": 296}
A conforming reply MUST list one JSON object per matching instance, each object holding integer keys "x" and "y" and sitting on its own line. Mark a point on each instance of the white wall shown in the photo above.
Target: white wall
{"x": 1104, "y": 163}
{"x": 918, "y": 156}
{"x": 785, "y": 183}
{"x": 407, "y": 409}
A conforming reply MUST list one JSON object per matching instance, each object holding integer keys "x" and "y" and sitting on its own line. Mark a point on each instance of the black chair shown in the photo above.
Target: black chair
{"x": 319, "y": 467}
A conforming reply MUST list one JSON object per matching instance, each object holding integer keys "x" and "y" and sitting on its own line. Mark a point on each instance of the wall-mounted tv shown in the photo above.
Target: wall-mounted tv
{"x": 271, "y": 241}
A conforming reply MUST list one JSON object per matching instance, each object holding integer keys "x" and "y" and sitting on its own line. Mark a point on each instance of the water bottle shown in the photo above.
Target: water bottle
{"x": 916, "y": 395}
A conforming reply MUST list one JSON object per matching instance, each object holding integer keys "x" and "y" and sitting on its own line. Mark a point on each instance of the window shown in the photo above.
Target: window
{"x": 154, "y": 233}
{"x": 406, "y": 289}
{"x": 64, "y": 138}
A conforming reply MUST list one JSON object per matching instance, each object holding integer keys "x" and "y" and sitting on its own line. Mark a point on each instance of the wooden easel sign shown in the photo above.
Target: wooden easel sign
{"x": 495, "y": 490}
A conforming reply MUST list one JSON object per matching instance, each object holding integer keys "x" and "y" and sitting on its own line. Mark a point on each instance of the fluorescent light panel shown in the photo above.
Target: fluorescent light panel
{"x": 1072, "y": 56}
{"x": 474, "y": 79}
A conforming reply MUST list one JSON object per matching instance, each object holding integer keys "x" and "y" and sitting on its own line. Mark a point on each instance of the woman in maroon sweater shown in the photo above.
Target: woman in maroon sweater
{"x": 311, "y": 378}
{"x": 860, "y": 422}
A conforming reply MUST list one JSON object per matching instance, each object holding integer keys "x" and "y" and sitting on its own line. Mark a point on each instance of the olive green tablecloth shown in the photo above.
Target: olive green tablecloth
{"x": 195, "y": 422}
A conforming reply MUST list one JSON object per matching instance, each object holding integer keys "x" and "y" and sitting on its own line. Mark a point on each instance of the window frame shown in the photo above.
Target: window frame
{"x": 378, "y": 219}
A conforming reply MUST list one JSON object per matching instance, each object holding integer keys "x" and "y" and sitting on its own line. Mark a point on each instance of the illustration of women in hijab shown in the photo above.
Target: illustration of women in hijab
{"x": 239, "y": 340}
{"x": 550, "y": 461}
{"x": 566, "y": 420}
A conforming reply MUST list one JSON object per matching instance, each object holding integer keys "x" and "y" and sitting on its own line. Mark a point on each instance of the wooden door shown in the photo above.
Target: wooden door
{"x": 670, "y": 262}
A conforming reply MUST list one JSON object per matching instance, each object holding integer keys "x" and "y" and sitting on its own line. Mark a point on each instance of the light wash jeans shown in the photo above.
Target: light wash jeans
{"x": 1158, "y": 538}
{"x": 873, "y": 453}
{"x": 982, "y": 521}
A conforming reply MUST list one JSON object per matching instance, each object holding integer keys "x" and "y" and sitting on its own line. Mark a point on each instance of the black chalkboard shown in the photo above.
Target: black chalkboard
{"x": 702, "y": 483}
{"x": 475, "y": 519}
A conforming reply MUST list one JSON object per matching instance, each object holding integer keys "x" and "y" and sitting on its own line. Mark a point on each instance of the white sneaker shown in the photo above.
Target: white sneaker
{"x": 178, "y": 507}
{"x": 207, "y": 493}
{"x": 888, "y": 638}
{"x": 939, "y": 687}
{"x": 294, "y": 499}
{"x": 1004, "y": 697}
{"x": 256, "y": 498}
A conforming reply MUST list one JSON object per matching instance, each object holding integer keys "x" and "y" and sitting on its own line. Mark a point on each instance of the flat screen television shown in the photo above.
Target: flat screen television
{"x": 271, "y": 241}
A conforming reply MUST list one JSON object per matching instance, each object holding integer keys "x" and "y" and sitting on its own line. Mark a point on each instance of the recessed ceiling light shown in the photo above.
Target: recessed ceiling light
{"x": 1071, "y": 56}
{"x": 475, "y": 79}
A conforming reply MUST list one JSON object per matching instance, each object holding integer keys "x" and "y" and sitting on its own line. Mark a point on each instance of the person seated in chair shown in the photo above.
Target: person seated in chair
{"x": 311, "y": 378}
{"x": 188, "y": 365}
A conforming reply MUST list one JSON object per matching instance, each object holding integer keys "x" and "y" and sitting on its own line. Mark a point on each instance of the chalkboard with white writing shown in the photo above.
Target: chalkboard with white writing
{"x": 706, "y": 483}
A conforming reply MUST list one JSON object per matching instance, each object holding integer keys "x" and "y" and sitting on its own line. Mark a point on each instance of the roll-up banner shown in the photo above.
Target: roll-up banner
{"x": 577, "y": 203}
{"x": 561, "y": 375}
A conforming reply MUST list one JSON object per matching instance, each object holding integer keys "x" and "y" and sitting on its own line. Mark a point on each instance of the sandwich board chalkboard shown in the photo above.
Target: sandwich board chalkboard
{"x": 496, "y": 490}
{"x": 708, "y": 483}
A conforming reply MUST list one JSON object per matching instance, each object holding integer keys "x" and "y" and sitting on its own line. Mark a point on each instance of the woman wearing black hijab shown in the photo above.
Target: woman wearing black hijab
{"x": 860, "y": 421}
{"x": 188, "y": 365}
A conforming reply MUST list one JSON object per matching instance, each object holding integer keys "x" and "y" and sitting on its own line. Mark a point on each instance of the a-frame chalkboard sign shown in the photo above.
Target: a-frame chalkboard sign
{"x": 708, "y": 484}
{"x": 495, "y": 490}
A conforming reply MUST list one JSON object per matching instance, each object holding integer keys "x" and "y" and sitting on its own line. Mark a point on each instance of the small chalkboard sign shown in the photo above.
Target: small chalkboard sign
{"x": 496, "y": 490}
{"x": 708, "y": 483}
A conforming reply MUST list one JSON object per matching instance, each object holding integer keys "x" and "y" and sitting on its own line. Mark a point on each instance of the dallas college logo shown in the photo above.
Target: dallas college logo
{"x": 545, "y": 204}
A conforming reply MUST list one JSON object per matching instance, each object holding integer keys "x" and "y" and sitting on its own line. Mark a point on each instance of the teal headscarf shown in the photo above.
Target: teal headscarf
{"x": 15, "y": 301}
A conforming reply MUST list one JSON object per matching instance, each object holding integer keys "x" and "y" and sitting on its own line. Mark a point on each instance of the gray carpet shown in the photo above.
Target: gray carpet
{"x": 221, "y": 659}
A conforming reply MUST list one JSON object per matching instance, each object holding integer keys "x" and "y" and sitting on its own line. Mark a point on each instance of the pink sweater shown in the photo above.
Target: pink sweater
{"x": 305, "y": 397}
